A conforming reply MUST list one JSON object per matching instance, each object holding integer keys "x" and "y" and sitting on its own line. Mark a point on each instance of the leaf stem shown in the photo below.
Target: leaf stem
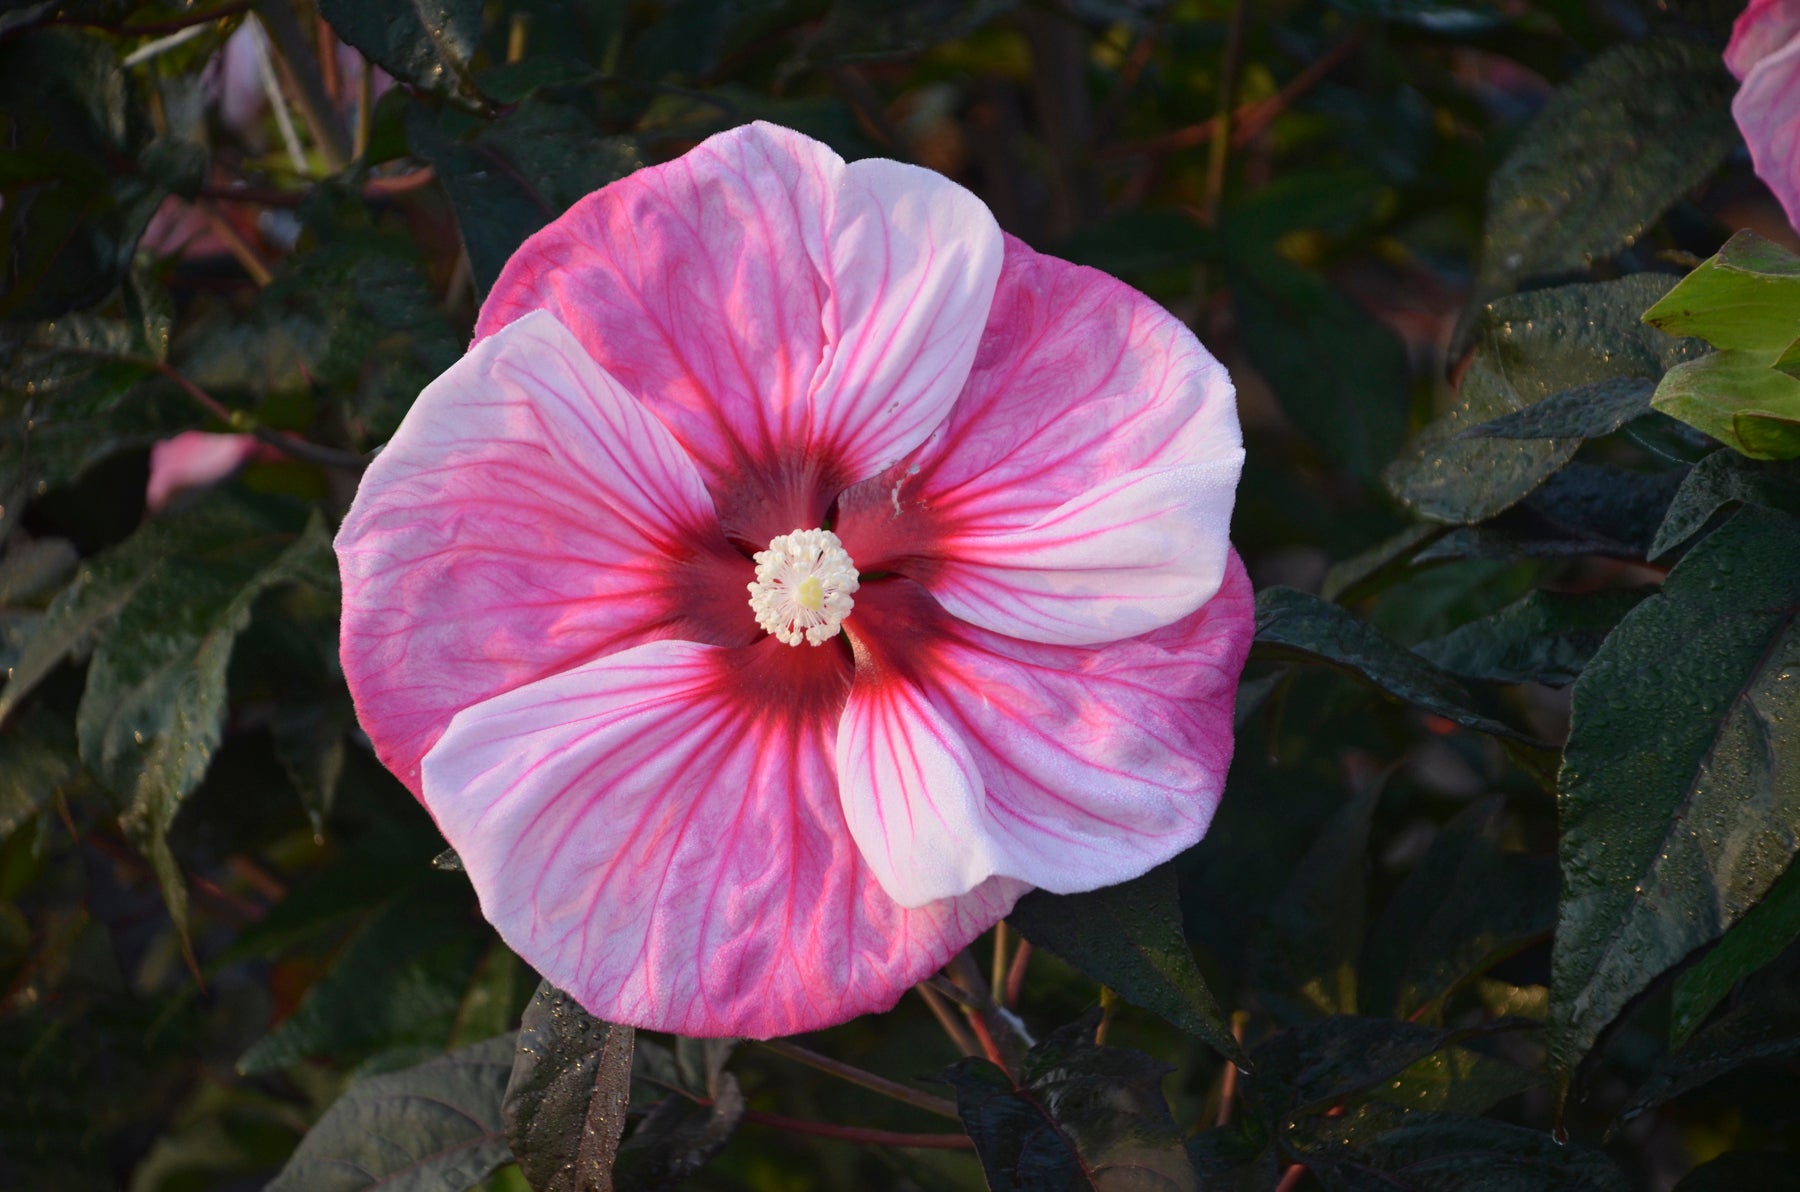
{"x": 998, "y": 981}
{"x": 953, "y": 1027}
{"x": 1015, "y": 976}
{"x": 941, "y": 1106}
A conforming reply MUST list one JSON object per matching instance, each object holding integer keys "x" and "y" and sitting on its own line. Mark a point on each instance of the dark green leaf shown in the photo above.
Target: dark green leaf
{"x": 1293, "y": 625}
{"x": 399, "y": 981}
{"x": 1532, "y": 347}
{"x": 309, "y": 741}
{"x": 1304, "y": 962}
{"x": 512, "y": 176}
{"x": 1721, "y": 479}
{"x": 1588, "y": 411}
{"x": 1468, "y": 905}
{"x": 678, "y": 1137}
{"x": 1456, "y": 1080}
{"x": 1128, "y": 937}
{"x": 1363, "y": 568}
{"x": 153, "y": 711}
{"x": 433, "y": 1128}
{"x": 1762, "y": 935}
{"x": 1637, "y": 128}
{"x": 565, "y": 1104}
{"x": 1585, "y": 509}
{"x": 1389, "y": 1148}
{"x": 427, "y": 43}
{"x": 1763, "y": 1029}
{"x": 37, "y": 758}
{"x": 1290, "y": 319}
{"x": 871, "y": 30}
{"x": 1547, "y": 637}
{"x": 1080, "y": 1116}
{"x": 1680, "y": 797}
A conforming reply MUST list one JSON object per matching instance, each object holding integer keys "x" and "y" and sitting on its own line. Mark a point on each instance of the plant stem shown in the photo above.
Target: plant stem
{"x": 941, "y": 1106}
{"x": 288, "y": 41}
{"x": 940, "y": 1009}
{"x": 998, "y": 982}
{"x": 1015, "y": 976}
{"x": 1220, "y": 146}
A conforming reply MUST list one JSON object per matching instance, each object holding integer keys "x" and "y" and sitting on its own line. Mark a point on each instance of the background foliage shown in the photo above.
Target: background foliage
{"x": 1500, "y": 895}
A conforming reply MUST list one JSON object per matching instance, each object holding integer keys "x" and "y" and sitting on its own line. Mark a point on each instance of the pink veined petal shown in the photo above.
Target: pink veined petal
{"x": 193, "y": 459}
{"x": 1764, "y": 27}
{"x": 798, "y": 323}
{"x": 1095, "y": 763}
{"x": 1081, "y": 489}
{"x": 527, "y": 516}
{"x": 1767, "y": 111}
{"x": 656, "y": 834}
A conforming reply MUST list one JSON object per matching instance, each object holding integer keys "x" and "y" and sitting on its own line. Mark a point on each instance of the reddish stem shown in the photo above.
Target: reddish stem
{"x": 942, "y": 1142}
{"x": 1015, "y": 976}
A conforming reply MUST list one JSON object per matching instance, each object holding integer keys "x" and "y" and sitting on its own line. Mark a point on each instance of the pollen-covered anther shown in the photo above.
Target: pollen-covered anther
{"x": 803, "y": 586}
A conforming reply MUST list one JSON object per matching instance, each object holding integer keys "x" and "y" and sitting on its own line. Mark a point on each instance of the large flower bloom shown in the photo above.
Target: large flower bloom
{"x": 794, "y": 572}
{"x": 1764, "y": 54}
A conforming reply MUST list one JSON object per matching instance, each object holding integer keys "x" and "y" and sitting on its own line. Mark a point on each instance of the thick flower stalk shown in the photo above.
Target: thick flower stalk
{"x": 794, "y": 572}
{"x": 1764, "y": 54}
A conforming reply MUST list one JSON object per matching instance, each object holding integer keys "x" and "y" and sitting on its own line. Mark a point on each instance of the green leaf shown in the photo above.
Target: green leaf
{"x": 1532, "y": 348}
{"x": 1367, "y": 567}
{"x": 1293, "y": 626}
{"x": 1585, "y": 509}
{"x": 1456, "y": 1080}
{"x": 678, "y": 1136}
{"x": 1128, "y": 937}
{"x": 1736, "y": 1170}
{"x": 1546, "y": 637}
{"x": 1721, "y": 479}
{"x": 1680, "y": 799}
{"x": 309, "y": 741}
{"x": 565, "y": 1103}
{"x": 153, "y": 711}
{"x": 1290, "y": 320}
{"x": 509, "y": 177}
{"x": 1079, "y": 1116}
{"x": 433, "y": 1128}
{"x": 427, "y": 43}
{"x": 37, "y": 758}
{"x": 1762, "y": 935}
{"x": 399, "y": 981}
{"x": 1469, "y": 905}
{"x": 1745, "y": 296}
{"x": 1304, "y": 961}
{"x": 1589, "y": 411}
{"x": 1738, "y": 398}
{"x": 1389, "y": 1148}
{"x": 1639, "y": 126}
{"x": 1763, "y": 1029}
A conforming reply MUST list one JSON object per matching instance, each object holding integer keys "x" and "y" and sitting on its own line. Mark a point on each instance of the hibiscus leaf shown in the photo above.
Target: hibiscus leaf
{"x": 432, "y": 1128}
{"x": 399, "y": 981}
{"x": 565, "y": 1103}
{"x": 1078, "y": 1116}
{"x": 509, "y": 177}
{"x": 1291, "y": 625}
{"x": 1738, "y": 398}
{"x": 1545, "y": 637}
{"x": 1456, "y": 1080}
{"x": 427, "y": 43}
{"x": 1761, "y": 936}
{"x": 1390, "y": 1147}
{"x": 1585, "y": 509}
{"x": 1764, "y": 1028}
{"x": 1588, "y": 411}
{"x": 1531, "y": 348}
{"x": 37, "y": 758}
{"x": 1637, "y": 128}
{"x": 1467, "y": 906}
{"x": 1721, "y": 479}
{"x": 1737, "y": 1170}
{"x": 1129, "y": 938}
{"x": 678, "y": 1137}
{"x": 1747, "y": 295}
{"x": 1664, "y": 848}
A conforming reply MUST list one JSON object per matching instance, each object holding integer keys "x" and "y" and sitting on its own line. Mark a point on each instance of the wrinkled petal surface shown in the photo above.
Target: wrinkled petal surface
{"x": 528, "y": 516}
{"x": 1091, "y": 764}
{"x": 1764, "y": 27}
{"x": 664, "y": 840}
{"x": 797, "y": 322}
{"x": 1081, "y": 490}
{"x": 1766, "y": 46}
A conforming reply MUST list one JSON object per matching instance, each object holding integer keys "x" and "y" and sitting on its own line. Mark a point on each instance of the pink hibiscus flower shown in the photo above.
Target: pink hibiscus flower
{"x": 195, "y": 459}
{"x": 795, "y": 572}
{"x": 1764, "y": 54}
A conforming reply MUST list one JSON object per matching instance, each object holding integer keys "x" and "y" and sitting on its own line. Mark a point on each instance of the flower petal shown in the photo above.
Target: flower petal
{"x": 654, "y": 833}
{"x": 193, "y": 459}
{"x": 1767, "y": 111}
{"x": 527, "y": 516}
{"x": 1095, "y": 763}
{"x": 1081, "y": 490}
{"x": 798, "y": 323}
{"x": 1764, "y": 27}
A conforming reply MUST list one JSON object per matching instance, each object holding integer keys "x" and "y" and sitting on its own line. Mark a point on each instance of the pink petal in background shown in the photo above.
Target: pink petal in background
{"x": 1765, "y": 55}
{"x": 1081, "y": 490}
{"x": 797, "y": 322}
{"x": 659, "y": 831}
{"x": 529, "y": 515}
{"x": 194, "y": 459}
